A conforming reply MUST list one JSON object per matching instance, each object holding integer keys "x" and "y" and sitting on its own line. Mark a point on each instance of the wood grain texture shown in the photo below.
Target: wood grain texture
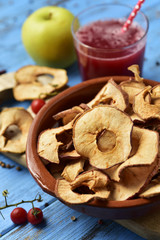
{"x": 147, "y": 227}
{"x": 20, "y": 184}
{"x": 59, "y": 226}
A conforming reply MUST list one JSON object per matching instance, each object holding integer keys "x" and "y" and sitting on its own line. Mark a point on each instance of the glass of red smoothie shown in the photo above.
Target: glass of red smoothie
{"x": 101, "y": 46}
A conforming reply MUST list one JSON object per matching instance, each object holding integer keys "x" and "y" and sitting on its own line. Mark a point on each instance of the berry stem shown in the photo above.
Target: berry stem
{"x": 5, "y": 201}
{"x": 32, "y": 205}
{"x": 38, "y": 199}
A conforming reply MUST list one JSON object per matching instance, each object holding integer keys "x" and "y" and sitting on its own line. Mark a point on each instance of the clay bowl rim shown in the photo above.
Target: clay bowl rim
{"x": 38, "y": 170}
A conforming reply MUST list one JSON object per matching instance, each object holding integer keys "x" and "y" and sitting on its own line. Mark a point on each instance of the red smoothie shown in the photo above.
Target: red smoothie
{"x": 104, "y": 50}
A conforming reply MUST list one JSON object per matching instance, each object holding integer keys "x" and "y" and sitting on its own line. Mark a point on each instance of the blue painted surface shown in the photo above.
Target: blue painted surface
{"x": 58, "y": 224}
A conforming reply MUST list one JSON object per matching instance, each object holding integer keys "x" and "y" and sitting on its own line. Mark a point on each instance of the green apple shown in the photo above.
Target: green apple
{"x": 47, "y": 37}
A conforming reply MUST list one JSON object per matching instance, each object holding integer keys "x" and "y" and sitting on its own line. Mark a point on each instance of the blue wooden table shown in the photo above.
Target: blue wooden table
{"x": 20, "y": 184}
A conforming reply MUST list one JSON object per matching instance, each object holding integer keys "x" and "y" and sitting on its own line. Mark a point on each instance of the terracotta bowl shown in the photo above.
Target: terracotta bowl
{"x": 82, "y": 92}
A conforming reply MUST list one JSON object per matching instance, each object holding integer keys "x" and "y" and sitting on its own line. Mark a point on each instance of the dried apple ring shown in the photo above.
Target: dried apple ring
{"x": 144, "y": 109}
{"x": 91, "y": 124}
{"x": 28, "y": 86}
{"x": 15, "y": 124}
{"x": 72, "y": 169}
{"x": 132, "y": 87}
{"x": 96, "y": 182}
{"x": 48, "y": 145}
{"x": 111, "y": 94}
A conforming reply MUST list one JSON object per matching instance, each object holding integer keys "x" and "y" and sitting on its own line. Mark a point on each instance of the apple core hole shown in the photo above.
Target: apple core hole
{"x": 12, "y": 132}
{"x": 106, "y": 140}
{"x": 45, "y": 79}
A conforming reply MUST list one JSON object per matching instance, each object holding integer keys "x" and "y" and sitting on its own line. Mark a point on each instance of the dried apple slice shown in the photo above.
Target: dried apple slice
{"x": 48, "y": 145}
{"x": 111, "y": 94}
{"x": 135, "y": 118}
{"x": 111, "y": 171}
{"x": 132, "y": 88}
{"x": 153, "y": 189}
{"x": 155, "y": 95}
{"x": 133, "y": 181}
{"x": 93, "y": 179}
{"x": 145, "y": 146}
{"x": 56, "y": 169}
{"x": 68, "y": 115}
{"x": 72, "y": 169}
{"x": 135, "y": 69}
{"x": 28, "y": 86}
{"x": 143, "y": 108}
{"x": 156, "y": 101}
{"x": 70, "y": 155}
{"x": 156, "y": 91}
{"x": 7, "y": 82}
{"x": 14, "y": 127}
{"x": 68, "y": 193}
{"x": 91, "y": 123}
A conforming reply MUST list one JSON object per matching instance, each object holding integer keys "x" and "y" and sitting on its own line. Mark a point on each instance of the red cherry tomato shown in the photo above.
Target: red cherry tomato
{"x": 35, "y": 216}
{"x": 37, "y": 104}
{"x": 19, "y": 215}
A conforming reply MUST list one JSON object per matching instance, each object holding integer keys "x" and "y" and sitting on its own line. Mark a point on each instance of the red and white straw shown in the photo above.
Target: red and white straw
{"x": 132, "y": 15}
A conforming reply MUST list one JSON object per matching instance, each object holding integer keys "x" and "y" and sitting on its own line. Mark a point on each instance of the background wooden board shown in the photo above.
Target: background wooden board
{"x": 58, "y": 224}
{"x": 147, "y": 226}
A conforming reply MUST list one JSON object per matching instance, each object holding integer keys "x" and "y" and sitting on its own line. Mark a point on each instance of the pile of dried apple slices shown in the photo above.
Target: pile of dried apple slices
{"x": 27, "y": 83}
{"x": 106, "y": 149}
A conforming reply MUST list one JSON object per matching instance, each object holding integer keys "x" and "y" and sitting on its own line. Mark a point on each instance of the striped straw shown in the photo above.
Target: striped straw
{"x": 132, "y": 15}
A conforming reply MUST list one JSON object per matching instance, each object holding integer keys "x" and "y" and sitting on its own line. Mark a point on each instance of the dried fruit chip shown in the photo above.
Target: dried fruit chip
{"x": 89, "y": 125}
{"x": 155, "y": 95}
{"x": 134, "y": 117}
{"x": 152, "y": 189}
{"x": 111, "y": 94}
{"x": 143, "y": 108}
{"x": 156, "y": 91}
{"x": 68, "y": 115}
{"x": 68, "y": 193}
{"x": 93, "y": 179}
{"x": 135, "y": 69}
{"x": 15, "y": 124}
{"x": 28, "y": 86}
{"x": 133, "y": 181}
{"x": 48, "y": 145}
{"x": 72, "y": 169}
{"x": 65, "y": 193}
{"x": 7, "y": 82}
{"x": 145, "y": 146}
{"x": 132, "y": 87}
{"x": 56, "y": 169}
{"x": 70, "y": 155}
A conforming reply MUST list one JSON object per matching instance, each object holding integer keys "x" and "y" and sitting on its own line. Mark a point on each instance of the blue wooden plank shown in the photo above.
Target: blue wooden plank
{"x": 59, "y": 226}
{"x": 21, "y": 186}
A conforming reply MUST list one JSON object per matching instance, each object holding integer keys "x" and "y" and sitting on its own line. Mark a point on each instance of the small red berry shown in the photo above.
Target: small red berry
{"x": 35, "y": 216}
{"x": 18, "y": 215}
{"x": 36, "y": 105}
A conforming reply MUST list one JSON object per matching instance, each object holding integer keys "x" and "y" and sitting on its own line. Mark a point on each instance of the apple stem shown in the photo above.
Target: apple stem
{"x": 50, "y": 15}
